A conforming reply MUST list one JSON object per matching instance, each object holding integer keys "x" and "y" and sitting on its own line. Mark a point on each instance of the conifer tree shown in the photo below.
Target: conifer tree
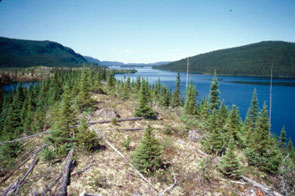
{"x": 111, "y": 80}
{"x": 165, "y": 96}
{"x": 223, "y": 114}
{"x": 86, "y": 139}
{"x": 283, "y": 140}
{"x": 229, "y": 165}
{"x": 61, "y": 138}
{"x": 157, "y": 92}
{"x": 290, "y": 149}
{"x": 214, "y": 94}
{"x": 137, "y": 84}
{"x": 147, "y": 156}
{"x": 262, "y": 150}
{"x": 233, "y": 128}
{"x": 251, "y": 115}
{"x": 214, "y": 141}
{"x": 190, "y": 105}
{"x": 204, "y": 109}
{"x": 176, "y": 97}
{"x": 83, "y": 98}
{"x": 143, "y": 109}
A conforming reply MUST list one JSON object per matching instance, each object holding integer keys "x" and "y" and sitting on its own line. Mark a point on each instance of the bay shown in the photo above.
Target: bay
{"x": 234, "y": 90}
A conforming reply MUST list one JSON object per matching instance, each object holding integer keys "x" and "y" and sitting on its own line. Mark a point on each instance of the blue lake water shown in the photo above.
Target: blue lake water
{"x": 235, "y": 90}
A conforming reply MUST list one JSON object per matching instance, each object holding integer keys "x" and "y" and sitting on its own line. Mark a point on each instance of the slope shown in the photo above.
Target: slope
{"x": 249, "y": 60}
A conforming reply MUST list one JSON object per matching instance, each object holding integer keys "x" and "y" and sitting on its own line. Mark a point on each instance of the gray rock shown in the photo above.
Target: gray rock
{"x": 106, "y": 113}
{"x": 195, "y": 135}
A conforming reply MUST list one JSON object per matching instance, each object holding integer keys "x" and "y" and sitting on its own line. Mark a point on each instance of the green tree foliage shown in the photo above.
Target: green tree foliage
{"x": 165, "y": 96}
{"x": 249, "y": 60}
{"x": 83, "y": 100}
{"x": 213, "y": 142}
{"x": 290, "y": 149}
{"x": 61, "y": 138}
{"x": 190, "y": 105}
{"x": 223, "y": 115}
{"x": 204, "y": 109}
{"x": 251, "y": 117}
{"x": 283, "y": 140}
{"x": 262, "y": 151}
{"x": 230, "y": 165}
{"x": 147, "y": 156}
{"x": 214, "y": 94}
{"x": 86, "y": 139}
{"x": 176, "y": 96}
{"x": 233, "y": 128}
{"x": 26, "y": 53}
{"x": 143, "y": 108}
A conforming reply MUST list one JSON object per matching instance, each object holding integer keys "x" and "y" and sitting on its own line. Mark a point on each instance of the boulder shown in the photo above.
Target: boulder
{"x": 195, "y": 135}
{"x": 106, "y": 113}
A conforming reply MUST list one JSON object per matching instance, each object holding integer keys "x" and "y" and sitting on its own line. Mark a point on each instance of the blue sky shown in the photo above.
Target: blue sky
{"x": 148, "y": 30}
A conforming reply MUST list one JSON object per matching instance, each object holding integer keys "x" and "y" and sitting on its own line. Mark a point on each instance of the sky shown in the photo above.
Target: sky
{"x": 146, "y": 31}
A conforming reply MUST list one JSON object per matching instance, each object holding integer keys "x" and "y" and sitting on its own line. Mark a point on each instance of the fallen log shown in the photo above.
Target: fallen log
{"x": 62, "y": 190}
{"x": 84, "y": 169}
{"x": 263, "y": 188}
{"x": 46, "y": 189}
{"x": 171, "y": 186}
{"x": 26, "y": 160}
{"x": 121, "y": 155}
{"x": 14, "y": 187}
{"x": 118, "y": 120}
{"x": 24, "y": 138}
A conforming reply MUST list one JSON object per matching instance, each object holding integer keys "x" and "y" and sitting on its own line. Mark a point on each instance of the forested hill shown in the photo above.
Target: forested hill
{"x": 249, "y": 60}
{"x": 25, "y": 53}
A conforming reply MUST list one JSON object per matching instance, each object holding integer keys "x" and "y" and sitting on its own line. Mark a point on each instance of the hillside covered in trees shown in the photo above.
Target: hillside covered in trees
{"x": 27, "y": 53}
{"x": 98, "y": 135}
{"x": 249, "y": 60}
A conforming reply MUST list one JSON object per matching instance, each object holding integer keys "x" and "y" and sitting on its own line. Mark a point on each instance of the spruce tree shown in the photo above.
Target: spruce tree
{"x": 283, "y": 140}
{"x": 229, "y": 165}
{"x": 213, "y": 142}
{"x": 233, "y": 128}
{"x": 143, "y": 109}
{"x": 223, "y": 115}
{"x": 262, "y": 150}
{"x": 204, "y": 109}
{"x": 214, "y": 94}
{"x": 86, "y": 139}
{"x": 83, "y": 100}
{"x": 290, "y": 149}
{"x": 165, "y": 96}
{"x": 147, "y": 156}
{"x": 251, "y": 117}
{"x": 190, "y": 105}
{"x": 176, "y": 96}
{"x": 62, "y": 136}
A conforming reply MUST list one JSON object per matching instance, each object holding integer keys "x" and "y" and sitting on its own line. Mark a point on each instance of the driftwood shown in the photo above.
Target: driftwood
{"x": 85, "y": 194}
{"x": 27, "y": 159}
{"x": 14, "y": 187}
{"x": 263, "y": 188}
{"x": 118, "y": 120}
{"x": 25, "y": 138}
{"x": 121, "y": 155}
{"x": 62, "y": 190}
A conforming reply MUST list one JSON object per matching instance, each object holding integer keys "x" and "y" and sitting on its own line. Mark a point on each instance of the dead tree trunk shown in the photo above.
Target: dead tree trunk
{"x": 65, "y": 181}
{"x": 119, "y": 120}
{"x": 27, "y": 159}
{"x": 14, "y": 187}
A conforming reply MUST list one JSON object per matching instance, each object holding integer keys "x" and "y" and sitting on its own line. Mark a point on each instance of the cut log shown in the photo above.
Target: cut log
{"x": 14, "y": 187}
{"x": 126, "y": 160}
{"x": 62, "y": 190}
{"x": 118, "y": 120}
{"x": 26, "y": 160}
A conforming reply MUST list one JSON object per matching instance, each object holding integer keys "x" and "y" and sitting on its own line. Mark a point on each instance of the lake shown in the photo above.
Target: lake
{"x": 235, "y": 90}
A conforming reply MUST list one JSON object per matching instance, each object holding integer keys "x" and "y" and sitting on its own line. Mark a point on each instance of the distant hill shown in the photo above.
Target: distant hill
{"x": 249, "y": 60}
{"x": 111, "y": 63}
{"x": 25, "y": 53}
{"x": 92, "y": 60}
